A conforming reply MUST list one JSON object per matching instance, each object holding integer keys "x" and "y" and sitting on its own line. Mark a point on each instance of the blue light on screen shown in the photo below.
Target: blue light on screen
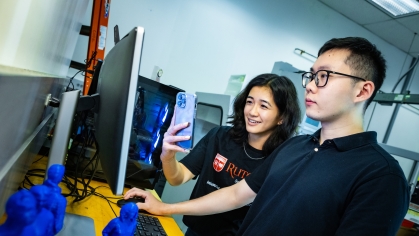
{"x": 312, "y": 122}
{"x": 157, "y": 139}
{"x": 166, "y": 110}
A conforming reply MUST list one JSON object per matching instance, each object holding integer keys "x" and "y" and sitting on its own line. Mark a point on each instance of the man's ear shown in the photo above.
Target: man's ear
{"x": 364, "y": 91}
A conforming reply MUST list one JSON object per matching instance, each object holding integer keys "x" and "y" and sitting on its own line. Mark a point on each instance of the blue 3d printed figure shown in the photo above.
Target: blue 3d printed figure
{"x": 124, "y": 224}
{"x": 44, "y": 222}
{"x": 21, "y": 212}
{"x": 57, "y": 201}
{"x": 39, "y": 211}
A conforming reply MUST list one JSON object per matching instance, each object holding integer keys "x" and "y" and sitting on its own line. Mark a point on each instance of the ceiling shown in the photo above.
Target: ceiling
{"x": 398, "y": 32}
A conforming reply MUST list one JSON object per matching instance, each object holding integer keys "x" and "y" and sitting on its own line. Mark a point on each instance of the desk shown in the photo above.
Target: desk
{"x": 98, "y": 208}
{"x": 100, "y": 211}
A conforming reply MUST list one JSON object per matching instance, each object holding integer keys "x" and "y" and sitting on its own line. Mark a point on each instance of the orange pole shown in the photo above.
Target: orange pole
{"x": 97, "y": 39}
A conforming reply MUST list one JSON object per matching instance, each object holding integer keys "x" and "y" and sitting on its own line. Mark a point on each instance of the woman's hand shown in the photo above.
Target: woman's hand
{"x": 151, "y": 204}
{"x": 169, "y": 147}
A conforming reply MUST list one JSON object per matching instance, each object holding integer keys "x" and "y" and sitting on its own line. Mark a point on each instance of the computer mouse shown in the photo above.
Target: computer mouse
{"x": 122, "y": 202}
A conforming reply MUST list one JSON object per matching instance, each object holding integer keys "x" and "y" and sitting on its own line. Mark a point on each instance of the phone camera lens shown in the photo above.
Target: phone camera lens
{"x": 181, "y": 96}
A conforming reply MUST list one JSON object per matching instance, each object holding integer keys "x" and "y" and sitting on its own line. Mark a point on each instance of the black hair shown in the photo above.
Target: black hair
{"x": 365, "y": 60}
{"x": 285, "y": 97}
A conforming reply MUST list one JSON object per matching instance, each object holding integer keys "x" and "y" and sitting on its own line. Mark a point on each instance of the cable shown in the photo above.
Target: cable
{"x": 404, "y": 75}
{"x": 416, "y": 62}
{"x": 65, "y": 180}
{"x": 88, "y": 63}
{"x": 304, "y": 52}
{"x": 71, "y": 81}
{"x": 372, "y": 113}
{"x": 77, "y": 179}
{"x": 92, "y": 58}
{"x": 413, "y": 75}
{"x": 86, "y": 184}
{"x": 107, "y": 199}
{"x": 80, "y": 175}
{"x": 39, "y": 159}
{"x": 79, "y": 171}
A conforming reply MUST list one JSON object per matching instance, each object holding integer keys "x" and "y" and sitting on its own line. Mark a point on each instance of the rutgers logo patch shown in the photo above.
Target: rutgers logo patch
{"x": 219, "y": 162}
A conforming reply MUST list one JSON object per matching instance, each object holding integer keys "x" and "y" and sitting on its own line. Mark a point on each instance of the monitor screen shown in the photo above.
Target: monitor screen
{"x": 312, "y": 122}
{"x": 117, "y": 87}
{"x": 308, "y": 125}
{"x": 152, "y": 115}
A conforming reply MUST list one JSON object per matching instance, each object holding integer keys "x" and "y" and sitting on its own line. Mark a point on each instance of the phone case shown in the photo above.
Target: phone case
{"x": 185, "y": 112}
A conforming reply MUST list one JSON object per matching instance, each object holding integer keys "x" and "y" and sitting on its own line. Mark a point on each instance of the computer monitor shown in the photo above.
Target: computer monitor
{"x": 117, "y": 87}
{"x": 308, "y": 125}
{"x": 133, "y": 115}
{"x": 153, "y": 111}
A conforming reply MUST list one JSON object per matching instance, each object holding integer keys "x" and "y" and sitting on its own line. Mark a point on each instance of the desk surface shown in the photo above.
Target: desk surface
{"x": 98, "y": 208}
{"x": 100, "y": 211}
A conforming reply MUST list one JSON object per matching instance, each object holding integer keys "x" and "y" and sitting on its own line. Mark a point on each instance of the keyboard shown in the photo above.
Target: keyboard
{"x": 149, "y": 226}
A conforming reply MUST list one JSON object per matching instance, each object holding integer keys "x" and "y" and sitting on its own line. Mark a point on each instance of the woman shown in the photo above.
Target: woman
{"x": 266, "y": 113}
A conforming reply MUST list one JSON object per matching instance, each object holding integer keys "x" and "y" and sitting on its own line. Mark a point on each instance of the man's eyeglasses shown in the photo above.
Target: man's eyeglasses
{"x": 321, "y": 77}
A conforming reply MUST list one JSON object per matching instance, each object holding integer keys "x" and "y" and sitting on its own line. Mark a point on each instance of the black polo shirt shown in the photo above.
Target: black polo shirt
{"x": 346, "y": 186}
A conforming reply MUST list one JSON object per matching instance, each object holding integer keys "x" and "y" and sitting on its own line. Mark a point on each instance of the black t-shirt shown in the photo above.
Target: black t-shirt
{"x": 219, "y": 162}
{"x": 346, "y": 186}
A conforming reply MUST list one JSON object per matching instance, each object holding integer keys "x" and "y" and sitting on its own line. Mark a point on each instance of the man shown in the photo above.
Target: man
{"x": 338, "y": 181}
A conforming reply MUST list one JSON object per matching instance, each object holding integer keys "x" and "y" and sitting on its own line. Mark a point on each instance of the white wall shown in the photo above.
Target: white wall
{"x": 200, "y": 44}
{"x": 37, "y": 41}
{"x": 207, "y": 41}
{"x": 40, "y": 35}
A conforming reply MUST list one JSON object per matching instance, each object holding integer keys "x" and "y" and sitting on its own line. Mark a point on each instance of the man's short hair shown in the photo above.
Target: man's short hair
{"x": 365, "y": 60}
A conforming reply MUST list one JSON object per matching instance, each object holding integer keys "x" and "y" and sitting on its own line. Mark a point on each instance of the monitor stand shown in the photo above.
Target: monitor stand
{"x": 77, "y": 225}
{"x": 137, "y": 175}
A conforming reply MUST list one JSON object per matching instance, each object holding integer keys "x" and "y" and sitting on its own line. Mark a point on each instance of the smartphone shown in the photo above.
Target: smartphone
{"x": 186, "y": 112}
